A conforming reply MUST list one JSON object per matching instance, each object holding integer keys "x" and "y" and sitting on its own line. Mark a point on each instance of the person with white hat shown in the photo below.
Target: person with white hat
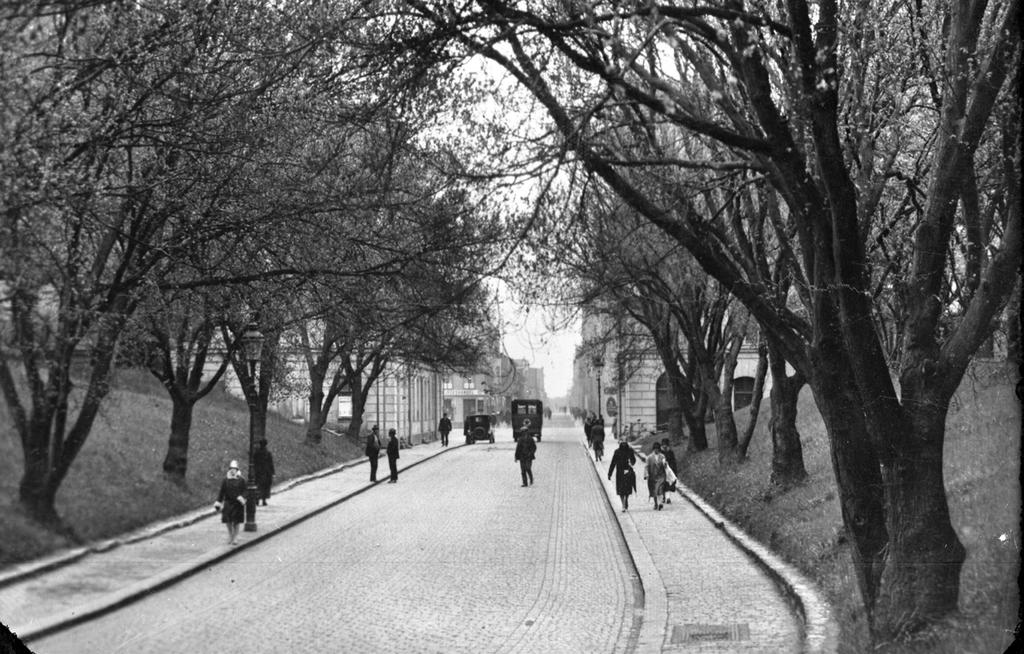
{"x": 231, "y": 501}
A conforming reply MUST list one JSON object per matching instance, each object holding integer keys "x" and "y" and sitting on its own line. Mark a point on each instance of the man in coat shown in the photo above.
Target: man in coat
{"x": 393, "y": 456}
{"x": 263, "y": 464}
{"x": 373, "y": 450}
{"x": 444, "y": 428}
{"x": 526, "y": 450}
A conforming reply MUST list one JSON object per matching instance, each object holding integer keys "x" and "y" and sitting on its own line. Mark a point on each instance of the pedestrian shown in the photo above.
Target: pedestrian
{"x": 670, "y": 461}
{"x": 373, "y": 450}
{"x": 655, "y": 475}
{"x": 588, "y": 424}
{"x": 622, "y": 465}
{"x": 526, "y": 451}
{"x": 597, "y": 438}
{"x": 444, "y": 428}
{"x": 393, "y": 456}
{"x": 231, "y": 501}
{"x": 263, "y": 470}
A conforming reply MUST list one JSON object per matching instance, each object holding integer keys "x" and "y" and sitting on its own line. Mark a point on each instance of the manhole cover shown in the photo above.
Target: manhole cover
{"x": 695, "y": 633}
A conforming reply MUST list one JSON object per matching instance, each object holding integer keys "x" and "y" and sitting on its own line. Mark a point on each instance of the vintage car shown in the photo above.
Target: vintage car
{"x": 527, "y": 416}
{"x": 478, "y": 428}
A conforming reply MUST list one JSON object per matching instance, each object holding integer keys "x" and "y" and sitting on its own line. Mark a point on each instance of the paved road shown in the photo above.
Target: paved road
{"x": 455, "y": 557}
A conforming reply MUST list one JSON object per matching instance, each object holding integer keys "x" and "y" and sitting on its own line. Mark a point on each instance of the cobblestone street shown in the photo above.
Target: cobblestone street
{"x": 455, "y": 557}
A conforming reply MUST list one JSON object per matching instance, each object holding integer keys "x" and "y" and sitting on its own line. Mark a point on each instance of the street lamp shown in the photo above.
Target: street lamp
{"x": 252, "y": 347}
{"x": 598, "y": 368}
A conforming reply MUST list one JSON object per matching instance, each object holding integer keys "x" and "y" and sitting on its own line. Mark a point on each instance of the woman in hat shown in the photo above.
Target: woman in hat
{"x": 231, "y": 501}
{"x": 622, "y": 466}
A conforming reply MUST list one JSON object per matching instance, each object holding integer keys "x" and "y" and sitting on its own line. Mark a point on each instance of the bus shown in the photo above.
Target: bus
{"x": 527, "y": 415}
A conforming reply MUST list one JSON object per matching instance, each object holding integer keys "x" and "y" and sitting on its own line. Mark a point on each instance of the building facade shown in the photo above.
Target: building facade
{"x": 618, "y": 375}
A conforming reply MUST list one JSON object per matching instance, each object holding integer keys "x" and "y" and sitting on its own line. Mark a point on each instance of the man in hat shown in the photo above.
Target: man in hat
{"x": 373, "y": 450}
{"x": 526, "y": 450}
{"x": 393, "y": 456}
{"x": 263, "y": 465}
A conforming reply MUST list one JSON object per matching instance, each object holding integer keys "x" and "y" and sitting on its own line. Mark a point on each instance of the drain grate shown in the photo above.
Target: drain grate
{"x": 697, "y": 633}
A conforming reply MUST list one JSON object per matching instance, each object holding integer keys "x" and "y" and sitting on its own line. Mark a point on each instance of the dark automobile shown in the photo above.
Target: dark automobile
{"x": 478, "y": 428}
{"x": 527, "y": 416}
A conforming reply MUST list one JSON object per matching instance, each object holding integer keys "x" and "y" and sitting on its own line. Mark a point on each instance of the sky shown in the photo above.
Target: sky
{"x": 527, "y": 336}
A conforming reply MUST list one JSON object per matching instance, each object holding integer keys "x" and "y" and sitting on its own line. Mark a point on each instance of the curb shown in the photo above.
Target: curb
{"x": 138, "y": 590}
{"x": 22, "y": 571}
{"x": 821, "y": 631}
{"x": 650, "y": 637}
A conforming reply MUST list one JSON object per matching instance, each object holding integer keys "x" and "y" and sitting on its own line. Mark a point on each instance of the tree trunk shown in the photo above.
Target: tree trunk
{"x": 698, "y": 433}
{"x": 358, "y": 405}
{"x": 317, "y": 416}
{"x": 356, "y": 425}
{"x": 787, "y": 453}
{"x": 920, "y": 583}
{"x": 856, "y": 468}
{"x": 755, "y": 399}
{"x": 35, "y": 492}
{"x": 176, "y": 459}
{"x": 1012, "y": 318}
{"x": 725, "y": 429}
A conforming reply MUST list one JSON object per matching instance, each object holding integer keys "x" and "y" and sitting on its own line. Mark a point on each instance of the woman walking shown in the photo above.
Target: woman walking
{"x": 231, "y": 501}
{"x": 655, "y": 474}
{"x": 625, "y": 479}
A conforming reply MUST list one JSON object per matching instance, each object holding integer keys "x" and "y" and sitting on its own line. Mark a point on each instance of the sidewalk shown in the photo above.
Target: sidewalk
{"x": 44, "y": 596}
{"x": 709, "y": 587}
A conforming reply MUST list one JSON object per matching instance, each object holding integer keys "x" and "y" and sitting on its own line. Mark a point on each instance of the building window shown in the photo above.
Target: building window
{"x": 742, "y": 392}
{"x": 467, "y": 383}
{"x": 446, "y": 383}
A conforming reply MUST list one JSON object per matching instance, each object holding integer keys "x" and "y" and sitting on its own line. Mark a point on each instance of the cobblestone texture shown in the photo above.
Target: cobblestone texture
{"x": 456, "y": 557}
{"x": 707, "y": 580}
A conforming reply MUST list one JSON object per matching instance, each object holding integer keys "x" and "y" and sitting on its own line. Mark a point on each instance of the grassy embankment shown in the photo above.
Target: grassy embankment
{"x": 117, "y": 484}
{"x": 982, "y": 472}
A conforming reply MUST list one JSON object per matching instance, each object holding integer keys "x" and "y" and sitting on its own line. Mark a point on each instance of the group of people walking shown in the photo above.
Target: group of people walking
{"x": 659, "y": 471}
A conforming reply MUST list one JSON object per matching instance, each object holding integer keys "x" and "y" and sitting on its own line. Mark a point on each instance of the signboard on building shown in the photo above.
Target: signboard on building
{"x": 611, "y": 407}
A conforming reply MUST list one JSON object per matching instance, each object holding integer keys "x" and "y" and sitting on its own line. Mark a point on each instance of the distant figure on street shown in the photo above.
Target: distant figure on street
{"x": 622, "y": 465}
{"x": 373, "y": 450}
{"x": 444, "y": 428}
{"x": 263, "y": 470}
{"x": 231, "y": 501}
{"x": 597, "y": 438}
{"x": 655, "y": 475}
{"x": 670, "y": 461}
{"x": 588, "y": 424}
{"x": 526, "y": 451}
{"x": 393, "y": 456}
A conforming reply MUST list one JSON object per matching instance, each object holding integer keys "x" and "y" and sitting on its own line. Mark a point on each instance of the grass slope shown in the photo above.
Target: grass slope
{"x": 117, "y": 483}
{"x": 982, "y": 472}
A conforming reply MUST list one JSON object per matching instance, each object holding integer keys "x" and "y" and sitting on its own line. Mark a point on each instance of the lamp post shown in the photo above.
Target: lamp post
{"x": 598, "y": 368}
{"x": 485, "y": 387}
{"x": 252, "y": 347}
